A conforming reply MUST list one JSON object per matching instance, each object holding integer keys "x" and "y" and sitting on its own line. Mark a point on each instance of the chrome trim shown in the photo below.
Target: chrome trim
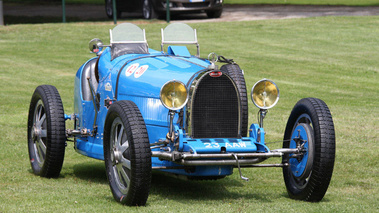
{"x": 231, "y": 155}
{"x": 217, "y": 162}
{"x": 192, "y": 90}
{"x": 95, "y": 44}
{"x": 244, "y": 159}
{"x": 266, "y": 165}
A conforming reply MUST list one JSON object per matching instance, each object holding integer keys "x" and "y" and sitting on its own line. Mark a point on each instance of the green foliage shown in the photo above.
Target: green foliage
{"x": 332, "y": 58}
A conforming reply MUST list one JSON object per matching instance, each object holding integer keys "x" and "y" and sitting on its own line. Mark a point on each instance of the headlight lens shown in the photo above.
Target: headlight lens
{"x": 265, "y": 94}
{"x": 174, "y": 95}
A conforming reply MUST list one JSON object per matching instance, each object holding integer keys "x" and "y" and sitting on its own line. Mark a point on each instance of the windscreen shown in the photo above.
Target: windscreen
{"x": 179, "y": 32}
{"x": 127, "y": 32}
{"x": 128, "y": 38}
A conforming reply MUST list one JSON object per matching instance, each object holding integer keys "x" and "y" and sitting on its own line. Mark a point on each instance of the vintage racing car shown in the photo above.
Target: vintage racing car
{"x": 140, "y": 110}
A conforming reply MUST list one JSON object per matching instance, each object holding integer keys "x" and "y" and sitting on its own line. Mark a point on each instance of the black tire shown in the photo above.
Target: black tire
{"x": 46, "y": 132}
{"x": 127, "y": 159}
{"x": 214, "y": 13}
{"x": 308, "y": 176}
{"x": 109, "y": 9}
{"x": 235, "y": 72}
{"x": 148, "y": 11}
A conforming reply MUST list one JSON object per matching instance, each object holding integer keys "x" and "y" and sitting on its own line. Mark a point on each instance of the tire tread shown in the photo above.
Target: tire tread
{"x": 324, "y": 148}
{"x": 141, "y": 153}
{"x": 56, "y": 130}
{"x": 235, "y": 72}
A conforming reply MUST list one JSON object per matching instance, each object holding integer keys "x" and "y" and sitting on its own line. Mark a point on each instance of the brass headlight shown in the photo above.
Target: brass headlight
{"x": 174, "y": 95}
{"x": 265, "y": 94}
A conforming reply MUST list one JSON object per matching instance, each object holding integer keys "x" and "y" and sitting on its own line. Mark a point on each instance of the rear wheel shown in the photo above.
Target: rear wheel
{"x": 148, "y": 10}
{"x": 309, "y": 128}
{"x": 235, "y": 72}
{"x": 127, "y": 154}
{"x": 109, "y": 9}
{"x": 46, "y": 132}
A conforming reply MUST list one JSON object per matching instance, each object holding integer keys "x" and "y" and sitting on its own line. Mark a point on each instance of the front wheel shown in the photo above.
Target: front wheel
{"x": 46, "y": 132}
{"x": 309, "y": 128}
{"x": 214, "y": 13}
{"x": 127, "y": 154}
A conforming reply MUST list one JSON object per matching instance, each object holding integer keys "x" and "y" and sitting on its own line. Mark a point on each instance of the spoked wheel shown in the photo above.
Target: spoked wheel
{"x": 46, "y": 132}
{"x": 148, "y": 10}
{"x": 127, "y": 154}
{"x": 310, "y": 129}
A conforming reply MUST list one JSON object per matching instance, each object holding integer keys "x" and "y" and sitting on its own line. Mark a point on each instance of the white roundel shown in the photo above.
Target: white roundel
{"x": 140, "y": 71}
{"x": 130, "y": 70}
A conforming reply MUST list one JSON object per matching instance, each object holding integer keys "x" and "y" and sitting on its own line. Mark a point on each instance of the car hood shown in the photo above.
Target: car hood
{"x": 143, "y": 75}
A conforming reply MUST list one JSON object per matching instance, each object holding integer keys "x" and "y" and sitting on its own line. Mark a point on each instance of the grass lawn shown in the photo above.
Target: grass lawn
{"x": 332, "y": 58}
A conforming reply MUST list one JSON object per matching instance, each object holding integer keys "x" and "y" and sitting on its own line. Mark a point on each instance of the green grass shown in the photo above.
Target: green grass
{"x": 332, "y": 58}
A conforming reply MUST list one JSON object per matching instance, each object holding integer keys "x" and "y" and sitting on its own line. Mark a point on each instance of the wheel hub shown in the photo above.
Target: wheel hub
{"x": 146, "y": 9}
{"x": 117, "y": 156}
{"x": 36, "y": 132}
{"x": 301, "y": 163}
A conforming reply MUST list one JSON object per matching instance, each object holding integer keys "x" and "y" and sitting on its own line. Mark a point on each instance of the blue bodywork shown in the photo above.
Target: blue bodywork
{"x": 139, "y": 78}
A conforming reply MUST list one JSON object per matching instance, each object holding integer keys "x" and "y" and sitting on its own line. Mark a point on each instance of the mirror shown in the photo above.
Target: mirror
{"x": 95, "y": 45}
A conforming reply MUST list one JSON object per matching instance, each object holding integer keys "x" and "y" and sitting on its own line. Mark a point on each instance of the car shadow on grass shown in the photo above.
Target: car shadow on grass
{"x": 91, "y": 171}
{"x": 179, "y": 188}
{"x": 182, "y": 190}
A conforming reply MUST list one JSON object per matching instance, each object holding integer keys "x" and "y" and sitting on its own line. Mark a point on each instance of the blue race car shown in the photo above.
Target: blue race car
{"x": 140, "y": 110}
